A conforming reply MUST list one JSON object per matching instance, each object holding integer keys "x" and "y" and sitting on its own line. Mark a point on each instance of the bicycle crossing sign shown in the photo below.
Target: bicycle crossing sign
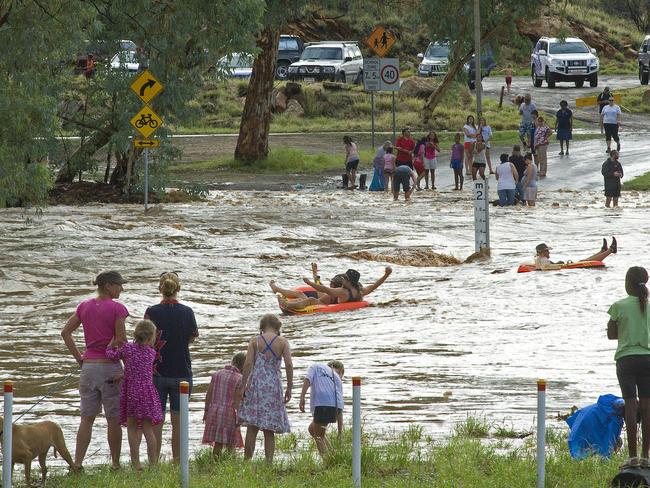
{"x": 146, "y": 86}
{"x": 146, "y": 121}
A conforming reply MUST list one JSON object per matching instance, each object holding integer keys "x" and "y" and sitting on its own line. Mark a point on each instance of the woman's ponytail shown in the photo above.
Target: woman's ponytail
{"x": 636, "y": 284}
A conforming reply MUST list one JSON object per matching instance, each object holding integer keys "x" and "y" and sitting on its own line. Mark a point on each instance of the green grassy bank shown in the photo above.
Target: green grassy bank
{"x": 409, "y": 459}
{"x": 640, "y": 183}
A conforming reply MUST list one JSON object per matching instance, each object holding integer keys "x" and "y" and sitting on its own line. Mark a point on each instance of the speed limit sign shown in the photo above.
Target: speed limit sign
{"x": 389, "y": 74}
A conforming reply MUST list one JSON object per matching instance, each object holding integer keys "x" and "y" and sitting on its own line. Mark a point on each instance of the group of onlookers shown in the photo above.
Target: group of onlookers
{"x": 247, "y": 392}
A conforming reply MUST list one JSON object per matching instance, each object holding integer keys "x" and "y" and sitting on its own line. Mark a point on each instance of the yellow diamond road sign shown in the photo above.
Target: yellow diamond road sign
{"x": 146, "y": 86}
{"x": 380, "y": 41}
{"x": 146, "y": 121}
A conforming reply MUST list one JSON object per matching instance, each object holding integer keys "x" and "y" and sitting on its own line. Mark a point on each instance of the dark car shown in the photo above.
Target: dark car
{"x": 487, "y": 65}
{"x": 289, "y": 51}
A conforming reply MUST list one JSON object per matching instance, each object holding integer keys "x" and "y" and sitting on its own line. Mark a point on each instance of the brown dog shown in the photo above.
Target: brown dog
{"x": 34, "y": 440}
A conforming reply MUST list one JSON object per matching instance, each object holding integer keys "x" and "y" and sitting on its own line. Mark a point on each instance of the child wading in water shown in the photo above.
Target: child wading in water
{"x": 457, "y": 162}
{"x": 351, "y": 160}
{"x": 629, "y": 323}
{"x": 221, "y": 404}
{"x": 140, "y": 406}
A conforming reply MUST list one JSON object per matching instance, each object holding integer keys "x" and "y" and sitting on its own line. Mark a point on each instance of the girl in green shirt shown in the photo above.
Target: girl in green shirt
{"x": 630, "y": 324}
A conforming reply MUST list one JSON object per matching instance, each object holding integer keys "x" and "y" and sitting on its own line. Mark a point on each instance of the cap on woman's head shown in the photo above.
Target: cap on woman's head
{"x": 353, "y": 276}
{"x": 106, "y": 277}
{"x": 541, "y": 248}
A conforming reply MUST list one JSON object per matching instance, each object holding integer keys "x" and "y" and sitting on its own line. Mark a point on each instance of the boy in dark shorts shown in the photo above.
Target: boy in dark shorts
{"x": 325, "y": 400}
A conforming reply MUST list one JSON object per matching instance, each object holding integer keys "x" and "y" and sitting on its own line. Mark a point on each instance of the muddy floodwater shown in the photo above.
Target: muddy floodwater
{"x": 438, "y": 344}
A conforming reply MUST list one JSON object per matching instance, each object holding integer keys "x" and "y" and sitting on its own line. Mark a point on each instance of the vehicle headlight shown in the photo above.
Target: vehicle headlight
{"x": 466, "y": 66}
{"x": 301, "y": 70}
{"x": 593, "y": 62}
{"x": 293, "y": 69}
{"x": 328, "y": 69}
{"x": 425, "y": 67}
{"x": 557, "y": 62}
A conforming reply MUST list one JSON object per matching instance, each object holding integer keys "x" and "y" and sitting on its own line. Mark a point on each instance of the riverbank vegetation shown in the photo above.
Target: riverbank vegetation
{"x": 640, "y": 183}
{"x": 407, "y": 459}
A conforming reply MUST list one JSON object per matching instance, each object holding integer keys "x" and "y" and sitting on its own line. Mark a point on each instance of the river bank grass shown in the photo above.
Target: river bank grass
{"x": 407, "y": 459}
{"x": 293, "y": 160}
{"x": 640, "y": 183}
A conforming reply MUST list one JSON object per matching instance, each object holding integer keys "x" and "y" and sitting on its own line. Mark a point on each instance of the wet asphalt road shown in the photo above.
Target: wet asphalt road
{"x": 549, "y": 99}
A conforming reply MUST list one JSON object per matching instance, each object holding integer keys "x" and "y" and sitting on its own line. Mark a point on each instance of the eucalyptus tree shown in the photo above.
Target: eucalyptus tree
{"x": 454, "y": 22}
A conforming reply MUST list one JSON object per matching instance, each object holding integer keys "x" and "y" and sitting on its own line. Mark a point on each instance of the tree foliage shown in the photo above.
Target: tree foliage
{"x": 638, "y": 11}
{"x": 39, "y": 42}
{"x": 454, "y": 22}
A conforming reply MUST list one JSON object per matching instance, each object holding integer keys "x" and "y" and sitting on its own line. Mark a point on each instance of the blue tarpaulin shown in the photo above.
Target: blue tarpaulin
{"x": 596, "y": 429}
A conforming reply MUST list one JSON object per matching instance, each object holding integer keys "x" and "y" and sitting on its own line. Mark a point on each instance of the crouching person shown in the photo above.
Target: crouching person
{"x": 325, "y": 400}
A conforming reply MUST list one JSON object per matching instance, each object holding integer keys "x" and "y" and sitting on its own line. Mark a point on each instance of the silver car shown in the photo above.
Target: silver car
{"x": 644, "y": 61}
{"x": 435, "y": 59}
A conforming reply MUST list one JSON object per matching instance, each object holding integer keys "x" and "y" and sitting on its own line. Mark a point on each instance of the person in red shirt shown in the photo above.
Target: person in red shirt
{"x": 405, "y": 146}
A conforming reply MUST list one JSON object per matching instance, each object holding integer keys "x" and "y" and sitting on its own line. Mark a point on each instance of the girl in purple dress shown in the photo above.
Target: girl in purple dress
{"x": 140, "y": 406}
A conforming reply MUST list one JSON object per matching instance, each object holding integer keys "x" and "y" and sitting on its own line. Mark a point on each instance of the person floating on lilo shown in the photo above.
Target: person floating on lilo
{"x": 543, "y": 255}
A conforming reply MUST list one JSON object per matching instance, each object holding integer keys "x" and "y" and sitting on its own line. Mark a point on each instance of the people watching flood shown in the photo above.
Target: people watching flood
{"x": 518, "y": 160}
{"x": 456, "y": 162}
{"x": 469, "y": 139}
{"x": 486, "y": 131}
{"x": 221, "y": 404}
{"x": 176, "y": 330}
{"x": 529, "y": 184}
{"x": 103, "y": 321}
{"x": 479, "y": 162}
{"x": 564, "y": 127}
{"x": 542, "y": 134}
{"x": 507, "y": 178}
{"x": 610, "y": 122}
{"x": 389, "y": 168}
{"x": 323, "y": 381}
{"x": 352, "y": 159}
{"x": 612, "y": 171}
{"x": 629, "y": 325}
{"x": 263, "y": 405}
{"x": 527, "y": 123}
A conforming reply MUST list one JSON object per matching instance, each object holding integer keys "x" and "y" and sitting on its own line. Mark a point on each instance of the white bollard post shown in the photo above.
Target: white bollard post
{"x": 7, "y": 437}
{"x": 356, "y": 431}
{"x": 541, "y": 431}
{"x": 185, "y": 436}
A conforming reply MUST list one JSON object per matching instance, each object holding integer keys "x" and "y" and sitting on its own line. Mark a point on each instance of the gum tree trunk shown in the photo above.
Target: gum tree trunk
{"x": 253, "y": 141}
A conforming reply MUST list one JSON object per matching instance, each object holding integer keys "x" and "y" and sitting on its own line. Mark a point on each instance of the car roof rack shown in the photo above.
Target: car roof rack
{"x": 331, "y": 42}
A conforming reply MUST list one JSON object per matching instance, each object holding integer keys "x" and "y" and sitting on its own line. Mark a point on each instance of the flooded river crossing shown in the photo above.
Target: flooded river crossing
{"x": 439, "y": 343}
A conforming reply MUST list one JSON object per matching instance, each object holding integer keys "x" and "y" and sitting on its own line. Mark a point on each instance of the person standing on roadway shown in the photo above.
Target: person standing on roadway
{"x": 610, "y": 121}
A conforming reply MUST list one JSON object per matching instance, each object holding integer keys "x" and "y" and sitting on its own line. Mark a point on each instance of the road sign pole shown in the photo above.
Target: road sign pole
{"x": 477, "y": 57}
{"x": 146, "y": 180}
{"x": 481, "y": 222}
{"x": 372, "y": 117}
{"x": 394, "y": 131}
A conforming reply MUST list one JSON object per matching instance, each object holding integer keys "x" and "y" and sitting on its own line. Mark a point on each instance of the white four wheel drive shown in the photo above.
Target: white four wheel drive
{"x": 569, "y": 60}
{"x": 644, "y": 61}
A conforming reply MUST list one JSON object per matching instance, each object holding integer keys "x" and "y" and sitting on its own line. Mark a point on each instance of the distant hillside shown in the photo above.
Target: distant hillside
{"x": 616, "y": 39}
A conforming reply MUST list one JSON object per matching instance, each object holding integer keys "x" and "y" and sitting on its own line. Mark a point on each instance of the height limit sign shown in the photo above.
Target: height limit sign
{"x": 381, "y": 74}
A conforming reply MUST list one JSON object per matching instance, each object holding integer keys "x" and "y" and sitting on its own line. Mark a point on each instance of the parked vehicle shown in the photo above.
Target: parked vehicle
{"x": 644, "y": 61}
{"x": 237, "y": 65}
{"x": 329, "y": 60}
{"x": 101, "y": 52}
{"x": 487, "y": 65}
{"x": 126, "y": 60}
{"x": 553, "y": 60}
{"x": 435, "y": 60}
{"x": 289, "y": 51}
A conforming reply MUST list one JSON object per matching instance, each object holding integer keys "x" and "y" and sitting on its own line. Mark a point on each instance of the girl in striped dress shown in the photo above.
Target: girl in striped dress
{"x": 221, "y": 405}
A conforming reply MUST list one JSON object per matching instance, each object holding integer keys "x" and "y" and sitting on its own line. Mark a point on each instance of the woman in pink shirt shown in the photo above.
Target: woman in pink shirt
{"x": 102, "y": 319}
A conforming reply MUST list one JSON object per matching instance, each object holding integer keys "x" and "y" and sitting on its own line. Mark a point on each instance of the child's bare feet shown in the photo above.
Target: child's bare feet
{"x": 283, "y": 302}
{"x": 273, "y": 287}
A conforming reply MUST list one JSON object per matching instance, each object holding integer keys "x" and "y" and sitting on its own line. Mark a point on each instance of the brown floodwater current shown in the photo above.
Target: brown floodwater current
{"x": 439, "y": 344}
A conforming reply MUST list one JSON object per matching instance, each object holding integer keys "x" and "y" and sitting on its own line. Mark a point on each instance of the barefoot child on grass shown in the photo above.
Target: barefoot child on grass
{"x": 140, "y": 406}
{"x": 221, "y": 404}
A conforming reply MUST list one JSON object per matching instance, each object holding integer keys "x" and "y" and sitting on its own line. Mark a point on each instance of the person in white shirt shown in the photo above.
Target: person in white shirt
{"x": 543, "y": 256}
{"x": 610, "y": 121}
{"x": 325, "y": 400}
